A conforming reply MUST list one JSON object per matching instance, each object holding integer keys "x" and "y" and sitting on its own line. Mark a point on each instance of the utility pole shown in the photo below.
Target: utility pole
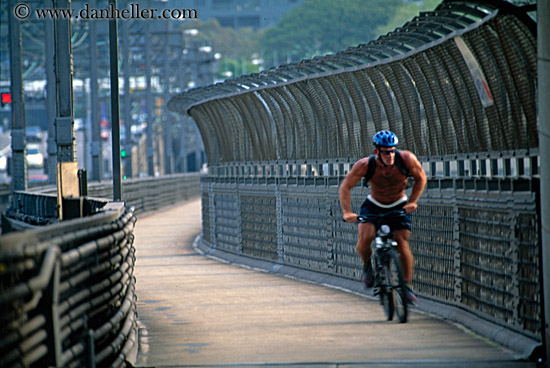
{"x": 97, "y": 156}
{"x": 115, "y": 106}
{"x": 168, "y": 169}
{"x": 51, "y": 112}
{"x": 64, "y": 122}
{"x": 149, "y": 101}
{"x": 18, "y": 140}
{"x": 127, "y": 104}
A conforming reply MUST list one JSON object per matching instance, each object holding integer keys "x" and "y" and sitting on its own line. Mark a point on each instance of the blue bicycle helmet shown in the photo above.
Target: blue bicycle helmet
{"x": 385, "y": 138}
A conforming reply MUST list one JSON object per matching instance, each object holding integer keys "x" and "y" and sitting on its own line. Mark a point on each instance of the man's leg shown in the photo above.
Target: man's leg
{"x": 402, "y": 238}
{"x": 366, "y": 232}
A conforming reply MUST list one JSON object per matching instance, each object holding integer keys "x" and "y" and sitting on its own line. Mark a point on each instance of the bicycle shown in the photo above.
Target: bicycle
{"x": 389, "y": 283}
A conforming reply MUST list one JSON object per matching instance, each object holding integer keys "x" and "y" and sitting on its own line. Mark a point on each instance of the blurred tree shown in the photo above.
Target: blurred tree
{"x": 237, "y": 47}
{"x": 318, "y": 27}
{"x": 406, "y": 12}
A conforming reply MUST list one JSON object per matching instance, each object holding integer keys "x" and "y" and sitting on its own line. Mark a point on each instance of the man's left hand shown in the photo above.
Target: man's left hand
{"x": 410, "y": 207}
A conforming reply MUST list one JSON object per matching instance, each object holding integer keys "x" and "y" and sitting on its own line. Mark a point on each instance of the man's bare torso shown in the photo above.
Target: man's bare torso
{"x": 388, "y": 184}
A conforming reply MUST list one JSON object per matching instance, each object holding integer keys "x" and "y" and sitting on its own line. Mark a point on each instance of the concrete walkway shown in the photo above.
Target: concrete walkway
{"x": 198, "y": 311}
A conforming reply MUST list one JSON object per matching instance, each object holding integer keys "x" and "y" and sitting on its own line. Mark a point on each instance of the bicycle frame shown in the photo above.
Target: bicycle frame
{"x": 389, "y": 282}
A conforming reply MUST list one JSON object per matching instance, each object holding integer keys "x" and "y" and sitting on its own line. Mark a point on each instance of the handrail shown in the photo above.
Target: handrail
{"x": 68, "y": 290}
{"x": 75, "y": 290}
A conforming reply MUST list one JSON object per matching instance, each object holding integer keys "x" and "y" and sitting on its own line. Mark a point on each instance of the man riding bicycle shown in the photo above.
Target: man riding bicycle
{"x": 387, "y": 172}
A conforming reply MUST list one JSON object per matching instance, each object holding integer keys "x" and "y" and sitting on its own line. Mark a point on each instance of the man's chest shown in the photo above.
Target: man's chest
{"x": 387, "y": 175}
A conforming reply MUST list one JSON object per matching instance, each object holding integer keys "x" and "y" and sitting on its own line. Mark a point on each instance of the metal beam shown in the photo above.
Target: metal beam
{"x": 64, "y": 122}
{"x": 50, "y": 95}
{"x": 97, "y": 167}
{"x": 543, "y": 58}
{"x": 115, "y": 106}
{"x": 18, "y": 141}
{"x": 149, "y": 101}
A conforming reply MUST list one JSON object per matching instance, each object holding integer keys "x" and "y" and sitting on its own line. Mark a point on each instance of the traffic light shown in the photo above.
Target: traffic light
{"x": 123, "y": 153}
{"x": 6, "y": 98}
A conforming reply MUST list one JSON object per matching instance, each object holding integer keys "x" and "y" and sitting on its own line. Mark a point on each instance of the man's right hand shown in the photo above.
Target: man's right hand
{"x": 350, "y": 217}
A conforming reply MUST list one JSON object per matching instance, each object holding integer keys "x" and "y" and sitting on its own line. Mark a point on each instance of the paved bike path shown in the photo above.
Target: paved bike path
{"x": 197, "y": 311}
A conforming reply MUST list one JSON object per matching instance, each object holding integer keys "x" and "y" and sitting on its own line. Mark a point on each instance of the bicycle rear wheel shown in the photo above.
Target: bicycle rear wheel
{"x": 397, "y": 290}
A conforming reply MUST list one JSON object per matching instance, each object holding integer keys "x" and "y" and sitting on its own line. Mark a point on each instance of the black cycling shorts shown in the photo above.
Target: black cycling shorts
{"x": 394, "y": 222}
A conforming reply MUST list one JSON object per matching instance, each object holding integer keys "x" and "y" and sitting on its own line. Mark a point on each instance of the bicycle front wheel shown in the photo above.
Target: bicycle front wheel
{"x": 386, "y": 297}
{"x": 397, "y": 290}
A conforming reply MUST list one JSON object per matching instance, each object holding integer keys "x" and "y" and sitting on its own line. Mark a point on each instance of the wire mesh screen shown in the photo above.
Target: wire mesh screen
{"x": 205, "y": 206}
{"x": 227, "y": 221}
{"x": 487, "y": 262}
{"x": 434, "y": 250}
{"x": 461, "y": 79}
{"x": 304, "y": 223}
{"x": 259, "y": 226}
{"x": 528, "y": 272}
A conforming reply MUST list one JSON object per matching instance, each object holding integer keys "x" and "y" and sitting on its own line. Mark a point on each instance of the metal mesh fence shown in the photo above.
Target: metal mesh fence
{"x": 458, "y": 80}
{"x": 68, "y": 293}
{"x": 434, "y": 250}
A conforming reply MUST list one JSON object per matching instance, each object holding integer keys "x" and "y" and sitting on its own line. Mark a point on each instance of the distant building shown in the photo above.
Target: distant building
{"x": 243, "y": 13}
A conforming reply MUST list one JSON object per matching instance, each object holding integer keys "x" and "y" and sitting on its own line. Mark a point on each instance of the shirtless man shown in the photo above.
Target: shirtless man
{"x": 387, "y": 193}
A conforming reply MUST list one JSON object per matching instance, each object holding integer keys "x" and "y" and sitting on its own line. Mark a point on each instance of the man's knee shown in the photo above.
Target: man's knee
{"x": 402, "y": 235}
{"x": 363, "y": 245}
{"x": 365, "y": 236}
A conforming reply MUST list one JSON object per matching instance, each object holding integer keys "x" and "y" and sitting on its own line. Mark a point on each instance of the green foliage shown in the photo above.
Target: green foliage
{"x": 237, "y": 47}
{"x": 230, "y": 43}
{"x": 229, "y": 67}
{"x": 318, "y": 27}
{"x": 405, "y": 13}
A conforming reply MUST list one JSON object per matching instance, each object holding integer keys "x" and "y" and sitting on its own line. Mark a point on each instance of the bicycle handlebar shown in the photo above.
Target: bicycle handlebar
{"x": 397, "y": 213}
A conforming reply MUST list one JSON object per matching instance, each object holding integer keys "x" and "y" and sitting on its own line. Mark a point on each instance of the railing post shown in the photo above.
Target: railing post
{"x": 211, "y": 202}
{"x": 514, "y": 257}
{"x": 240, "y": 218}
{"x": 50, "y": 305}
{"x": 279, "y": 215}
{"x": 457, "y": 252}
{"x": 91, "y": 349}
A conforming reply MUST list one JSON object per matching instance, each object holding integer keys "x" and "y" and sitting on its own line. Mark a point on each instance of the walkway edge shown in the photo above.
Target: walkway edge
{"x": 521, "y": 345}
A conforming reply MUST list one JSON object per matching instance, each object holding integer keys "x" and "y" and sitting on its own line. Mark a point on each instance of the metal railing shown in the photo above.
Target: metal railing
{"x": 67, "y": 292}
{"x": 145, "y": 194}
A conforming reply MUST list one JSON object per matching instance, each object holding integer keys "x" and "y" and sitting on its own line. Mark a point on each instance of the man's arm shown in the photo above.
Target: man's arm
{"x": 358, "y": 170}
{"x": 417, "y": 172}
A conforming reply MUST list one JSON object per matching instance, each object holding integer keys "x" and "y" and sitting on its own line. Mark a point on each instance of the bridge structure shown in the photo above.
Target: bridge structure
{"x": 458, "y": 85}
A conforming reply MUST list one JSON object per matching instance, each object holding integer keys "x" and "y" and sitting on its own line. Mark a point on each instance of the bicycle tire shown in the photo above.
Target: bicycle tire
{"x": 397, "y": 289}
{"x": 385, "y": 295}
